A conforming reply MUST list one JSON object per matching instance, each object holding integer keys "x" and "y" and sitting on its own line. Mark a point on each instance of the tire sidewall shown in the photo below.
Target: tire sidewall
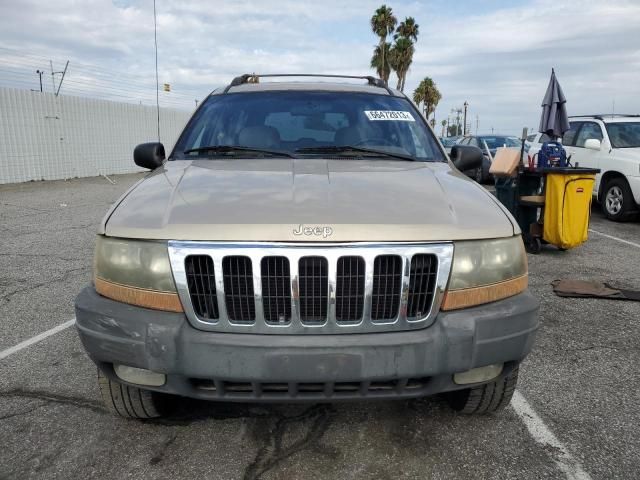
{"x": 626, "y": 199}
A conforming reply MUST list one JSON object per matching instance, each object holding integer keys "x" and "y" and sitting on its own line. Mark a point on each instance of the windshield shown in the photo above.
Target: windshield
{"x": 497, "y": 142}
{"x": 624, "y": 134}
{"x": 449, "y": 141}
{"x": 300, "y": 123}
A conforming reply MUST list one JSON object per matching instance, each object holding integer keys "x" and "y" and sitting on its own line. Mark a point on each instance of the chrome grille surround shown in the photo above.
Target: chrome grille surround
{"x": 179, "y": 250}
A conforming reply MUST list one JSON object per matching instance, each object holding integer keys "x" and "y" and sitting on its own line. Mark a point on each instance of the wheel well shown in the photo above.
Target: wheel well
{"x": 606, "y": 178}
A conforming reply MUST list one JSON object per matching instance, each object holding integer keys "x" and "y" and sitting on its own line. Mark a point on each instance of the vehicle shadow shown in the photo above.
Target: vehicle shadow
{"x": 183, "y": 411}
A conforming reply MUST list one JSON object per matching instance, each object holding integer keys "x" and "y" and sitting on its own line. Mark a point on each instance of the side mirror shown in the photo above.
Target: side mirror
{"x": 466, "y": 157}
{"x": 149, "y": 155}
{"x": 592, "y": 144}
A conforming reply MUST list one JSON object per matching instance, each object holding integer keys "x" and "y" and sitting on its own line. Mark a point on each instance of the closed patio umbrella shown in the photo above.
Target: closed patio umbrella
{"x": 554, "y": 121}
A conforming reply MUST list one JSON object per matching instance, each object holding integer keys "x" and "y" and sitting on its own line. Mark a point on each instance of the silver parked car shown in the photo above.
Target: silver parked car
{"x": 307, "y": 242}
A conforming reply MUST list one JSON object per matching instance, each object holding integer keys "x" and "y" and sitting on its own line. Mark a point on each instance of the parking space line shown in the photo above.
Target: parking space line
{"x": 621, "y": 240}
{"x": 542, "y": 435}
{"x": 38, "y": 338}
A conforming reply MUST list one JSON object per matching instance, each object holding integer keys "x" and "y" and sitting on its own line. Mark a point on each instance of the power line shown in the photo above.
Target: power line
{"x": 92, "y": 81}
{"x": 79, "y": 77}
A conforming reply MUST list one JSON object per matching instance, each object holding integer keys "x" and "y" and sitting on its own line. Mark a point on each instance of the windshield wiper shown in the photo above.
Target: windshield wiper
{"x": 237, "y": 148}
{"x": 350, "y": 148}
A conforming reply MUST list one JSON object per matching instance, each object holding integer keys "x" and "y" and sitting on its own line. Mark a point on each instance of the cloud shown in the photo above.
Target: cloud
{"x": 500, "y": 61}
{"x": 495, "y": 54}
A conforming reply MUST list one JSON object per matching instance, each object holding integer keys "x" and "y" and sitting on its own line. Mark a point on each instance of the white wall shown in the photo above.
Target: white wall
{"x": 44, "y": 137}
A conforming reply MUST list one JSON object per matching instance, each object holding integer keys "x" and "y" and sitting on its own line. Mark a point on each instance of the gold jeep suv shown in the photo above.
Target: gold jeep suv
{"x": 307, "y": 241}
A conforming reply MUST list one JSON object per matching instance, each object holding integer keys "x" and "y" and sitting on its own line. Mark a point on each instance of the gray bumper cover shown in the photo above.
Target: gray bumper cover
{"x": 112, "y": 332}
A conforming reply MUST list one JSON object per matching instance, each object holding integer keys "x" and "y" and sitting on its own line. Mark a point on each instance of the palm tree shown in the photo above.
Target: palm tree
{"x": 408, "y": 29}
{"x": 383, "y": 71}
{"x": 400, "y": 58}
{"x": 402, "y": 51}
{"x": 444, "y": 124}
{"x": 383, "y": 23}
{"x": 428, "y": 95}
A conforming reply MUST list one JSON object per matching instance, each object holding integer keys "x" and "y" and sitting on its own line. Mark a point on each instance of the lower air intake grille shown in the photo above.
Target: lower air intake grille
{"x": 313, "y": 280}
{"x": 276, "y": 290}
{"x": 201, "y": 281}
{"x": 422, "y": 284}
{"x": 350, "y": 289}
{"x": 237, "y": 275}
{"x": 387, "y": 280}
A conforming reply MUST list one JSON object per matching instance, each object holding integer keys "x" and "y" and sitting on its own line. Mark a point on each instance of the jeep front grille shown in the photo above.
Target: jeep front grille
{"x": 387, "y": 279}
{"x": 350, "y": 289}
{"x": 422, "y": 284}
{"x": 314, "y": 286}
{"x": 202, "y": 286}
{"x": 276, "y": 290}
{"x": 310, "y": 288}
{"x": 238, "y": 289}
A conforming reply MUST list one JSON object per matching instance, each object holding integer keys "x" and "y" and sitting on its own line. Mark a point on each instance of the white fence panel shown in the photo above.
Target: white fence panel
{"x": 44, "y": 137}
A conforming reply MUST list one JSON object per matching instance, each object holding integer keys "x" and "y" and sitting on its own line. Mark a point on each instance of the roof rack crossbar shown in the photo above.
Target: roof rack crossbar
{"x": 253, "y": 78}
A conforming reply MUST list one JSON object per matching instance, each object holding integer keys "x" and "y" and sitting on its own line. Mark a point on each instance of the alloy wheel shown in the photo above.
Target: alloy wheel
{"x": 614, "y": 200}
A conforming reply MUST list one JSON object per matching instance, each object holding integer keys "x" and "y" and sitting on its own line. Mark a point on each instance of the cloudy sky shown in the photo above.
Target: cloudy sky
{"x": 495, "y": 54}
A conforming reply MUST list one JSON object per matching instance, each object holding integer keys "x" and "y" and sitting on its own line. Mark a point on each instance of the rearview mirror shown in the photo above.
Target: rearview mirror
{"x": 149, "y": 155}
{"x": 592, "y": 144}
{"x": 466, "y": 157}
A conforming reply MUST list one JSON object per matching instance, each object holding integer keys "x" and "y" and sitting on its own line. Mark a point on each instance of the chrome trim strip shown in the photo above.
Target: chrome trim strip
{"x": 179, "y": 250}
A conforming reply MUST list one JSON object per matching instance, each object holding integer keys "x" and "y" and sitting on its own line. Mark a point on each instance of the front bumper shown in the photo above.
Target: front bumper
{"x": 250, "y": 367}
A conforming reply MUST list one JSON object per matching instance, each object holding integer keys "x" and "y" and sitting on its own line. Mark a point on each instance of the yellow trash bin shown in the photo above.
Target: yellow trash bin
{"x": 568, "y": 206}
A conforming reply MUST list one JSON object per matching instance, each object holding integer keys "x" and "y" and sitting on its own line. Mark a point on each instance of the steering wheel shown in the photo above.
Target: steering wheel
{"x": 375, "y": 141}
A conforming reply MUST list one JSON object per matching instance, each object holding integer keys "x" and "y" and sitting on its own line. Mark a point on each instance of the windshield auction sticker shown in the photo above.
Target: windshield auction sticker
{"x": 392, "y": 115}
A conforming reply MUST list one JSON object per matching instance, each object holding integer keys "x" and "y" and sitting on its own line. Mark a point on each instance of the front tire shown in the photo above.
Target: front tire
{"x": 487, "y": 398}
{"x": 131, "y": 402}
{"x": 617, "y": 201}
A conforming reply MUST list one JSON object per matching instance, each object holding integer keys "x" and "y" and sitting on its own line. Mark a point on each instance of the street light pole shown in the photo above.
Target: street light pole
{"x": 40, "y": 72}
{"x": 464, "y": 129}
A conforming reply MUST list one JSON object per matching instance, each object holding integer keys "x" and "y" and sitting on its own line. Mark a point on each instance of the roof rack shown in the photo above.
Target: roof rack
{"x": 601, "y": 116}
{"x": 255, "y": 78}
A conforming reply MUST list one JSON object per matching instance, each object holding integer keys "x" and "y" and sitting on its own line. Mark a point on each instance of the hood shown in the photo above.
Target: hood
{"x": 307, "y": 200}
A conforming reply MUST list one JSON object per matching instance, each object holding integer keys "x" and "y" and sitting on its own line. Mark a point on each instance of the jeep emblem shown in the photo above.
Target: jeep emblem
{"x": 317, "y": 231}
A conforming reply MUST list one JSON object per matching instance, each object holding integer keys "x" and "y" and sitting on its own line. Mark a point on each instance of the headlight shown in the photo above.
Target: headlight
{"x": 135, "y": 272}
{"x": 484, "y": 271}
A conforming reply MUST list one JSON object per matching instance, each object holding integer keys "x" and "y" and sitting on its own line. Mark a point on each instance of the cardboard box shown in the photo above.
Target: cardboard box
{"x": 505, "y": 163}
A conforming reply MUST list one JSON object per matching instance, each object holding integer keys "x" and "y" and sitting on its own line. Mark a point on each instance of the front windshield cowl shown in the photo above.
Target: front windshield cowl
{"x": 291, "y": 122}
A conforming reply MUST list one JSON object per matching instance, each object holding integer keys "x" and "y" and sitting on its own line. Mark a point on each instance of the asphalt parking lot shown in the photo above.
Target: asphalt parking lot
{"x": 577, "y": 415}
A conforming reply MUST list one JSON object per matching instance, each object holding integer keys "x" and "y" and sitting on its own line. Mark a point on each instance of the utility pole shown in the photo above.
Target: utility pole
{"x": 40, "y": 72}
{"x": 448, "y": 120}
{"x": 155, "y": 42}
{"x": 466, "y": 105}
{"x": 53, "y": 77}
{"x": 196, "y": 103}
{"x": 477, "y": 123}
{"x": 61, "y": 79}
